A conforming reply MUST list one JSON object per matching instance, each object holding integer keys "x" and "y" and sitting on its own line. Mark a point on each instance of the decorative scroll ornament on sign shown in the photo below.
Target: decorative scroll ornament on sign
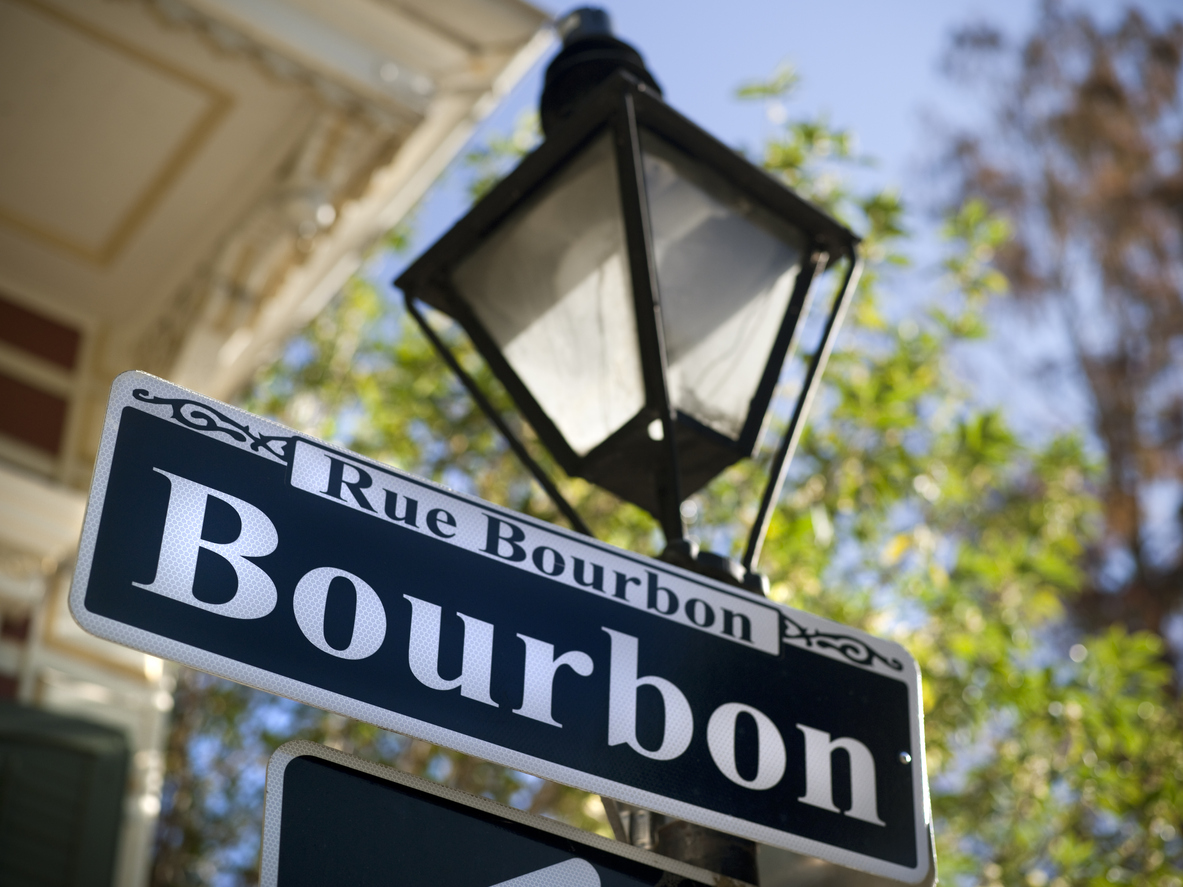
{"x": 852, "y": 649}
{"x": 200, "y": 417}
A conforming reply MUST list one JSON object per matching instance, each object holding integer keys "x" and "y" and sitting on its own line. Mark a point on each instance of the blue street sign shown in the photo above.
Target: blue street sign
{"x": 228, "y": 543}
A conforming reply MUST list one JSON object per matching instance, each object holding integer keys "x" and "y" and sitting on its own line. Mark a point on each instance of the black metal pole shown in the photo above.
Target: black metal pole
{"x": 716, "y": 851}
{"x": 650, "y": 328}
{"x": 698, "y": 845}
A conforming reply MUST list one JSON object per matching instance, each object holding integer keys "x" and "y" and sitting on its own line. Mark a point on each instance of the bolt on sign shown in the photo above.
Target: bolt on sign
{"x": 331, "y": 818}
{"x": 231, "y": 544}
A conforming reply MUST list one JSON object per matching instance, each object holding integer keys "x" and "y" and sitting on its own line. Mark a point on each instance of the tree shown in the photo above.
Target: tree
{"x": 911, "y": 512}
{"x": 1084, "y": 155}
{"x": 918, "y": 514}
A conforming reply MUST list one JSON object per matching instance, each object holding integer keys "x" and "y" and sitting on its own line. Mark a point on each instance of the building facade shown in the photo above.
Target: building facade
{"x": 183, "y": 185}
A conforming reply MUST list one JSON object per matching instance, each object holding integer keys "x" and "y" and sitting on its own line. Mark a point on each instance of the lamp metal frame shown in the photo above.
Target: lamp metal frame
{"x": 622, "y": 106}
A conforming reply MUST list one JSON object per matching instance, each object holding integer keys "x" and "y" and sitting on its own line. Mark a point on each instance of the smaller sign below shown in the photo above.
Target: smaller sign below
{"x": 335, "y": 819}
{"x": 572, "y": 873}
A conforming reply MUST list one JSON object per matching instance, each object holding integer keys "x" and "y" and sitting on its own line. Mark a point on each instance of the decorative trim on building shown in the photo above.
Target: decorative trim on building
{"x": 216, "y": 311}
{"x": 405, "y": 108}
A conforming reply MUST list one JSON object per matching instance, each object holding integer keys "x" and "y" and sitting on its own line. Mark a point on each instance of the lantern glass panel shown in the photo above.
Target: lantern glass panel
{"x": 726, "y": 270}
{"x": 551, "y": 285}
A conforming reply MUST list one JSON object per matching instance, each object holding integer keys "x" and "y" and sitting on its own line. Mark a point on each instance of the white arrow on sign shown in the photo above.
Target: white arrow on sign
{"x": 572, "y": 873}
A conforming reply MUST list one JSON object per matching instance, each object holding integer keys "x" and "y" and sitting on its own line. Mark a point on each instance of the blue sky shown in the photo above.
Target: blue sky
{"x": 871, "y": 66}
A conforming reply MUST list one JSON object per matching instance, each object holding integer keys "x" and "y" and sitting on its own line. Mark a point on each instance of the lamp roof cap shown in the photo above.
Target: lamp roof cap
{"x": 586, "y": 21}
{"x": 590, "y": 55}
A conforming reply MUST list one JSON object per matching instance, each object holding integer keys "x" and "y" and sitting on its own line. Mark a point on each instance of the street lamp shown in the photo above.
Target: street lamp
{"x": 637, "y": 287}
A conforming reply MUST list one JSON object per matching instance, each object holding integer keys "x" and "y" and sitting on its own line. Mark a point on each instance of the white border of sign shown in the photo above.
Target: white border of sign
{"x": 286, "y": 753}
{"x": 167, "y": 648}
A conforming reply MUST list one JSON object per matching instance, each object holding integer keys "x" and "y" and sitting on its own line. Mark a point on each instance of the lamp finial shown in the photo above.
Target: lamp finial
{"x": 590, "y": 55}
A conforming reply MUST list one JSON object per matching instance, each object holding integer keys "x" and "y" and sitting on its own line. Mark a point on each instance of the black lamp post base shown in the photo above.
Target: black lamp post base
{"x": 698, "y": 845}
{"x": 685, "y": 553}
{"x": 714, "y": 851}
{"x": 706, "y": 848}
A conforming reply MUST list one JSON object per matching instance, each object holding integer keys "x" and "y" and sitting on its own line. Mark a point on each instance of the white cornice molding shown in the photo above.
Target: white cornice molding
{"x": 215, "y": 312}
{"x": 267, "y": 279}
{"x": 344, "y": 75}
{"x": 40, "y": 519}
